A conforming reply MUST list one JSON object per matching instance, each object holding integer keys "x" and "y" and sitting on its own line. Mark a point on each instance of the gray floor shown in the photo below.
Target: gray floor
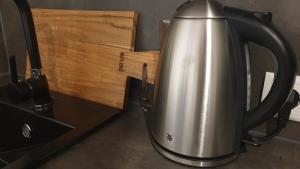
{"x": 124, "y": 144}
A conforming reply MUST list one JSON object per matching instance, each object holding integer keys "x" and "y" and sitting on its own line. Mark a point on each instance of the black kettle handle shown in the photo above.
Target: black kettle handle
{"x": 253, "y": 29}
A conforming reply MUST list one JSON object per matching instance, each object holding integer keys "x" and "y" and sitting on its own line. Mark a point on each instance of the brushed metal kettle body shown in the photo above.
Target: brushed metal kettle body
{"x": 196, "y": 98}
{"x": 200, "y": 99}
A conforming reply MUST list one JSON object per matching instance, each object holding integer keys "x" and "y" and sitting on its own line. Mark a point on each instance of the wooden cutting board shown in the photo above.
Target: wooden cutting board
{"x": 90, "y": 54}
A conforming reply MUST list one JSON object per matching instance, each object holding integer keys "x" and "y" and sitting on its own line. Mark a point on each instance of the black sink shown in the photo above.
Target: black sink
{"x": 23, "y": 130}
{"x": 21, "y": 148}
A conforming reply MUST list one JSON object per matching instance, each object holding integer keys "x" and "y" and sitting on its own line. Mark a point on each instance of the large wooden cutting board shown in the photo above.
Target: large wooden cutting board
{"x": 90, "y": 54}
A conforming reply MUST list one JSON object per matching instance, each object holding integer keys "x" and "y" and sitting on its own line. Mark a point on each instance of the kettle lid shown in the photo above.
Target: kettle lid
{"x": 200, "y": 9}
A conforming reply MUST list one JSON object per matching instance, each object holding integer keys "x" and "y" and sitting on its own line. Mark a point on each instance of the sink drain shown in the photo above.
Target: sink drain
{"x": 26, "y": 131}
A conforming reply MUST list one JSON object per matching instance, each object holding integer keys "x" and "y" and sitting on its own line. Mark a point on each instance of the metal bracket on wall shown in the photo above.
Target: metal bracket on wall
{"x": 144, "y": 93}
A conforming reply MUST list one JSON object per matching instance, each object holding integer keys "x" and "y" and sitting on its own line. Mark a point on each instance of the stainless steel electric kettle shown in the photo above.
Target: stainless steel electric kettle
{"x": 199, "y": 115}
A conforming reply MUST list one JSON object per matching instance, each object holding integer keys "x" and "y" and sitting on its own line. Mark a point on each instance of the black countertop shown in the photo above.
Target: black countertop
{"x": 85, "y": 116}
{"x": 125, "y": 144}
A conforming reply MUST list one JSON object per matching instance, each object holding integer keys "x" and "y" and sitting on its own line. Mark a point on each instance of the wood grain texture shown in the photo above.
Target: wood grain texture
{"x": 134, "y": 61}
{"x": 79, "y": 61}
{"x": 111, "y": 28}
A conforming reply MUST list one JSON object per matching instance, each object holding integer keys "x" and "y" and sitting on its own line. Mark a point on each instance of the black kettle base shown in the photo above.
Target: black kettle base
{"x": 194, "y": 162}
